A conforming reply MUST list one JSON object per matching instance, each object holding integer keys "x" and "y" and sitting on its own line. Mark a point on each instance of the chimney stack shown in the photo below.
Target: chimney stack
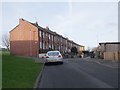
{"x": 21, "y": 20}
{"x": 47, "y": 27}
{"x": 36, "y": 23}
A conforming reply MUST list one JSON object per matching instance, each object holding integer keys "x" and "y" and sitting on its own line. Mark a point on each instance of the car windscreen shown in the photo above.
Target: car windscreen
{"x": 53, "y": 53}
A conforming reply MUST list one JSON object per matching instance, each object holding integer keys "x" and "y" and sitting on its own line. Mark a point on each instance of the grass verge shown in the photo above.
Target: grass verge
{"x": 19, "y": 72}
{"x": 0, "y": 70}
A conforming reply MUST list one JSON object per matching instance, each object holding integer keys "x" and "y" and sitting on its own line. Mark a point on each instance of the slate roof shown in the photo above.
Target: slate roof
{"x": 109, "y": 43}
{"x": 54, "y": 33}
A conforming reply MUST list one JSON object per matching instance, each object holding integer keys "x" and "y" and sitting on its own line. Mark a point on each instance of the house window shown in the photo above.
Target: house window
{"x": 46, "y": 35}
{"x": 52, "y": 46}
{"x": 49, "y": 45}
{"x": 52, "y": 37}
{"x": 66, "y": 48}
{"x": 59, "y": 47}
{"x": 61, "y": 39}
{"x": 43, "y": 34}
{"x": 49, "y": 36}
{"x": 40, "y": 45}
{"x": 66, "y": 41}
{"x": 40, "y": 33}
{"x": 46, "y": 45}
{"x": 43, "y": 46}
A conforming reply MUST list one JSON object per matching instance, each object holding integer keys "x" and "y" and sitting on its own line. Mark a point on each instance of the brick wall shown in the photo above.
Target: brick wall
{"x": 28, "y": 39}
{"x": 24, "y": 39}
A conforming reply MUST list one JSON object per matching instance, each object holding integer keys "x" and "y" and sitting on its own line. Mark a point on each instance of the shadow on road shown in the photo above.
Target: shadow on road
{"x": 52, "y": 64}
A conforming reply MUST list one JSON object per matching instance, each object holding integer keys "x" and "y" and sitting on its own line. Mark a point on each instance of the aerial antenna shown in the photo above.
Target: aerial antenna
{"x": 36, "y": 20}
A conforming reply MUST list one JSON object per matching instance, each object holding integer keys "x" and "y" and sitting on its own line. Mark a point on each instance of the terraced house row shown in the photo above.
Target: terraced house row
{"x": 29, "y": 39}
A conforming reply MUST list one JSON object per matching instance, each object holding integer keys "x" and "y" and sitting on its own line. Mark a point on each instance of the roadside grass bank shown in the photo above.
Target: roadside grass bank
{"x": 19, "y": 72}
{"x": 0, "y": 70}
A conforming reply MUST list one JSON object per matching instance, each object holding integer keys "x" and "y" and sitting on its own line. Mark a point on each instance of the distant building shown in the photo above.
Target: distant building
{"x": 0, "y": 48}
{"x": 110, "y": 50}
{"x": 29, "y": 39}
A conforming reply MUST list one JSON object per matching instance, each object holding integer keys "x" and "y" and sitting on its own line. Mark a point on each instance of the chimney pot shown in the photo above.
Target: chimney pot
{"x": 47, "y": 27}
{"x": 36, "y": 23}
{"x": 21, "y": 20}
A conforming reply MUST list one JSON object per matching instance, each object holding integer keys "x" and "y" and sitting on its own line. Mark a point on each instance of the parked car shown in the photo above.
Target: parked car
{"x": 53, "y": 57}
{"x": 42, "y": 55}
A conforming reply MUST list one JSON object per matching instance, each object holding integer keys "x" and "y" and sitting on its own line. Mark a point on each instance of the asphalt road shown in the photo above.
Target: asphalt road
{"x": 79, "y": 73}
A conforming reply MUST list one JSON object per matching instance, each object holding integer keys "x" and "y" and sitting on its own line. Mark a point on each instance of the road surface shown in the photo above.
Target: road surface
{"x": 79, "y": 73}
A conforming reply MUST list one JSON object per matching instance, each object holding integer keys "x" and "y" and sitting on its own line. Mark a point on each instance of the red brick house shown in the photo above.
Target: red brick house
{"x": 29, "y": 39}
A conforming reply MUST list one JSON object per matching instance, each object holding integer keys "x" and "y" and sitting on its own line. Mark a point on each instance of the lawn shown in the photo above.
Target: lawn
{"x": 19, "y": 72}
{"x": 0, "y": 69}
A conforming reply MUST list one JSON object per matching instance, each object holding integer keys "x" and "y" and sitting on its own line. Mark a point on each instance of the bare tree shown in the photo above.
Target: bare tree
{"x": 6, "y": 41}
{"x": 94, "y": 48}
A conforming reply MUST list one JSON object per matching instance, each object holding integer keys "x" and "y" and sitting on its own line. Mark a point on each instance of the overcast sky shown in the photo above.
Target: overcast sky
{"x": 86, "y": 23}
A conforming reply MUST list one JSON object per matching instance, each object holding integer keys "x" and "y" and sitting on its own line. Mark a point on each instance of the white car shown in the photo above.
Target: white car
{"x": 54, "y": 57}
{"x": 42, "y": 55}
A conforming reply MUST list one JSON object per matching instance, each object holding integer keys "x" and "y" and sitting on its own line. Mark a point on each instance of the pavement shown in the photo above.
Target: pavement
{"x": 107, "y": 63}
{"x": 39, "y": 60}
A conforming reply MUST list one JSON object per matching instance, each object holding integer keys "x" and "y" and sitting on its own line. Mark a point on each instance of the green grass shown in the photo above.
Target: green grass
{"x": 19, "y": 72}
{"x": 0, "y": 70}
